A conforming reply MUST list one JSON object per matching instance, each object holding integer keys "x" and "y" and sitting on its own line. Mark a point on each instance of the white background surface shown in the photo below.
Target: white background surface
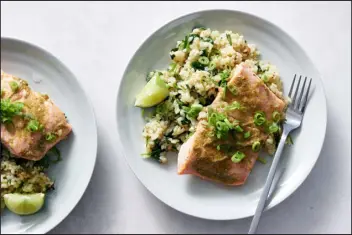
{"x": 96, "y": 40}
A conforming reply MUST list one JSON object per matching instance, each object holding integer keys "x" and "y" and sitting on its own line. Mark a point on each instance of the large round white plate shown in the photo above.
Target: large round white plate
{"x": 190, "y": 194}
{"x": 47, "y": 74}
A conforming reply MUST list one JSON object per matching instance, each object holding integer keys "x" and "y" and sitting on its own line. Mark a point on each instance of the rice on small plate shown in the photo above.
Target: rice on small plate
{"x": 24, "y": 176}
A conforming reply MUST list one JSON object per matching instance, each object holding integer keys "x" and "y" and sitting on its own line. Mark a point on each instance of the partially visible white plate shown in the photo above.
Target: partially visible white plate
{"x": 190, "y": 194}
{"x": 47, "y": 74}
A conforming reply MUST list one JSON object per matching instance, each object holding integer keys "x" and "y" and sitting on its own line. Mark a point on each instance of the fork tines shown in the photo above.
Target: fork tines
{"x": 300, "y": 104}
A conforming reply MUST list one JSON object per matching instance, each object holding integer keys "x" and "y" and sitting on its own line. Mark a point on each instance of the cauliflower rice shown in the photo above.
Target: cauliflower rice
{"x": 201, "y": 63}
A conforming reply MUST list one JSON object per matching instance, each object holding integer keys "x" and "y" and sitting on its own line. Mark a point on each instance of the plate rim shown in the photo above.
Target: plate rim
{"x": 290, "y": 190}
{"x": 47, "y": 228}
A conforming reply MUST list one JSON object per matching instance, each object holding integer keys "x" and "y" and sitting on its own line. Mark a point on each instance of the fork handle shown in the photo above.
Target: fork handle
{"x": 269, "y": 180}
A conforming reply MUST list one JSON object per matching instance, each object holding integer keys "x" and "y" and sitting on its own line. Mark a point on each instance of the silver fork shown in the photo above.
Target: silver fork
{"x": 294, "y": 116}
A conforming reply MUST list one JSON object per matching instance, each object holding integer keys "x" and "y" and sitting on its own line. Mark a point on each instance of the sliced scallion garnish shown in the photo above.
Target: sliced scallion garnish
{"x": 256, "y": 146}
{"x": 238, "y": 157}
{"x": 203, "y": 60}
{"x": 259, "y": 118}
{"x": 276, "y": 116}
{"x": 247, "y": 134}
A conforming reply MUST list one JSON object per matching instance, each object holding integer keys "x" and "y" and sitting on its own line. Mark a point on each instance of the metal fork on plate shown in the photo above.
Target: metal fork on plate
{"x": 294, "y": 116}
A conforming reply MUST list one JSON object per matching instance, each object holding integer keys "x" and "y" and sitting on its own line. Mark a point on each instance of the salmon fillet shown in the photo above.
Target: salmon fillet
{"x": 16, "y": 136}
{"x": 200, "y": 155}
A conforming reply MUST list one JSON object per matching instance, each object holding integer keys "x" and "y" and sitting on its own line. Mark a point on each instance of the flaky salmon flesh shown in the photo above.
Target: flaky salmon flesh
{"x": 17, "y": 136}
{"x": 200, "y": 155}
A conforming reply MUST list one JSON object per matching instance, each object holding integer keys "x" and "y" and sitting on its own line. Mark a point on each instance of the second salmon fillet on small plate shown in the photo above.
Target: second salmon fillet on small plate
{"x": 48, "y": 133}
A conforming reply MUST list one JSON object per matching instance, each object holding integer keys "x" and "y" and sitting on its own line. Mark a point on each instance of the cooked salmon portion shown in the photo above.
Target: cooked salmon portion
{"x": 199, "y": 156}
{"x": 202, "y": 154}
{"x": 37, "y": 127}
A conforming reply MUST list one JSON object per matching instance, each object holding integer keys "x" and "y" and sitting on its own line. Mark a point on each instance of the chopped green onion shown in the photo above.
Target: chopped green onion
{"x": 194, "y": 110}
{"x": 220, "y": 123}
{"x": 260, "y": 121}
{"x": 9, "y": 110}
{"x": 223, "y": 83}
{"x": 247, "y": 134}
{"x": 218, "y": 147}
{"x": 276, "y": 116}
{"x": 238, "y": 129}
{"x": 14, "y": 86}
{"x": 259, "y": 118}
{"x": 289, "y": 140}
{"x": 259, "y": 114}
{"x": 50, "y": 137}
{"x": 261, "y": 160}
{"x": 221, "y": 126}
{"x": 256, "y": 146}
{"x": 237, "y": 157}
{"x": 212, "y": 65}
{"x": 33, "y": 125}
{"x": 224, "y": 75}
{"x": 229, "y": 38}
{"x": 203, "y": 60}
{"x": 273, "y": 128}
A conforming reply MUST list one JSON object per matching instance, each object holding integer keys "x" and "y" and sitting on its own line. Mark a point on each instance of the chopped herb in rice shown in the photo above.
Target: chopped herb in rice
{"x": 201, "y": 65}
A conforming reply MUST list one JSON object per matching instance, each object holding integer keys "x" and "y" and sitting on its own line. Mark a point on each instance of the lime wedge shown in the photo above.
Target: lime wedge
{"x": 24, "y": 204}
{"x": 152, "y": 93}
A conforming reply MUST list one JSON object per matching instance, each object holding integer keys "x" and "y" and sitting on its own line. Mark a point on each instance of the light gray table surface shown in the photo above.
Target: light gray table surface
{"x": 96, "y": 40}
